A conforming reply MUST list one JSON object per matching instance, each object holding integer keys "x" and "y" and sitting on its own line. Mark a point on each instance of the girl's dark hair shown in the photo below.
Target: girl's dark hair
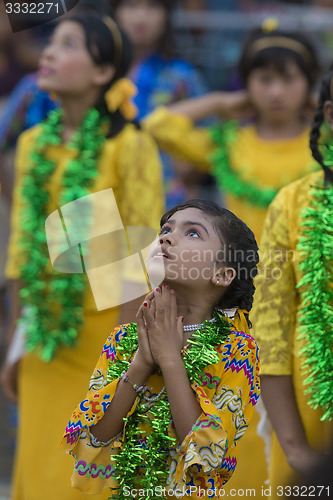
{"x": 166, "y": 45}
{"x": 104, "y": 48}
{"x": 240, "y": 251}
{"x": 318, "y": 120}
{"x": 254, "y": 57}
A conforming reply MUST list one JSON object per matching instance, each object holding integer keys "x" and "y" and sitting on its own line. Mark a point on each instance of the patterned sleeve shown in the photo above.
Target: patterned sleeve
{"x": 274, "y": 312}
{"x": 93, "y": 471}
{"x": 227, "y": 396}
{"x": 177, "y": 135}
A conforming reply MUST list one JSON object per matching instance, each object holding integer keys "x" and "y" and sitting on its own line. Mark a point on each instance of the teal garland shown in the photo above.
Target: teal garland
{"x": 153, "y": 456}
{"x": 54, "y": 302}
{"x": 224, "y": 136}
{"x": 316, "y": 315}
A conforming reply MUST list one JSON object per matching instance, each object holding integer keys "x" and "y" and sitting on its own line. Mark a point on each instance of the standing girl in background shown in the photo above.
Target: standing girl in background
{"x": 293, "y": 317}
{"x": 162, "y": 79}
{"x": 184, "y": 377}
{"x": 86, "y": 146}
{"x": 251, "y": 161}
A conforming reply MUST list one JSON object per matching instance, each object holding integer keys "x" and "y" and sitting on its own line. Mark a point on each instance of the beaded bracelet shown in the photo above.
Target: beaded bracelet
{"x": 138, "y": 389}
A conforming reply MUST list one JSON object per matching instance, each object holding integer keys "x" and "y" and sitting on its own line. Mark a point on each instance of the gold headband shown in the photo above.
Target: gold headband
{"x": 117, "y": 38}
{"x": 281, "y": 41}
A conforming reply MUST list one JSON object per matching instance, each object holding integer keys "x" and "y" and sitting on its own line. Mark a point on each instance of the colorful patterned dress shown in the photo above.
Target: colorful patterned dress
{"x": 207, "y": 457}
{"x": 272, "y": 163}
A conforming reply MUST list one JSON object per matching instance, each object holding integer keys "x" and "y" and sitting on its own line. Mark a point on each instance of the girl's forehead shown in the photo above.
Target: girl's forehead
{"x": 70, "y": 27}
{"x": 192, "y": 214}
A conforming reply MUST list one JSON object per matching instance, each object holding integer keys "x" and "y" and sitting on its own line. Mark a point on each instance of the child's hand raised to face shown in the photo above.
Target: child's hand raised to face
{"x": 164, "y": 327}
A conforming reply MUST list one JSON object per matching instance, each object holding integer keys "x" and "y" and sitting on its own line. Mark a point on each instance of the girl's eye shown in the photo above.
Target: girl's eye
{"x": 193, "y": 233}
{"x": 165, "y": 230}
{"x": 69, "y": 44}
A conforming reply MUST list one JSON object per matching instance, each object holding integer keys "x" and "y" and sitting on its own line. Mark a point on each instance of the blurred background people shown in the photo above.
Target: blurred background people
{"x": 162, "y": 79}
{"x": 207, "y": 33}
{"x": 87, "y": 145}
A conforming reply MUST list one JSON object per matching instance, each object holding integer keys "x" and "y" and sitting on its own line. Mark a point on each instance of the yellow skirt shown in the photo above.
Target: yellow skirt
{"x": 319, "y": 435}
{"x": 48, "y": 394}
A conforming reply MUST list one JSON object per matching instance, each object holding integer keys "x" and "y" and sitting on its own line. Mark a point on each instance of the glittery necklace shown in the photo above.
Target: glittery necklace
{"x": 157, "y": 442}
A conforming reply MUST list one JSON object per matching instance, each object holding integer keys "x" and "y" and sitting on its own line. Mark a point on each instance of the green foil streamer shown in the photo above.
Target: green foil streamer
{"x": 145, "y": 466}
{"x": 316, "y": 314}
{"x": 54, "y": 301}
{"x": 230, "y": 181}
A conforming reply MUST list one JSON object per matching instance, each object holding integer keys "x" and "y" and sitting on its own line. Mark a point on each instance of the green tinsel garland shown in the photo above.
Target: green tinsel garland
{"x": 153, "y": 456}
{"x": 229, "y": 180}
{"x": 316, "y": 315}
{"x": 54, "y": 303}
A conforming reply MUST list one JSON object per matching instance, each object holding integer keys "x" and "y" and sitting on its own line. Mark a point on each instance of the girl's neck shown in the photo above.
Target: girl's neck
{"x": 140, "y": 54}
{"x": 74, "y": 110}
{"x": 268, "y": 130}
{"x": 194, "y": 306}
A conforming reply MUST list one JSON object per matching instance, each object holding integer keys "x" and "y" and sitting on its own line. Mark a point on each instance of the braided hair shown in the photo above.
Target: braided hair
{"x": 240, "y": 251}
{"x": 318, "y": 120}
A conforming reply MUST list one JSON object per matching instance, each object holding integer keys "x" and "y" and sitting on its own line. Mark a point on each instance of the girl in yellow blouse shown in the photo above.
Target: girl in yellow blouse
{"x": 184, "y": 377}
{"x": 87, "y": 146}
{"x": 251, "y": 161}
{"x": 293, "y": 316}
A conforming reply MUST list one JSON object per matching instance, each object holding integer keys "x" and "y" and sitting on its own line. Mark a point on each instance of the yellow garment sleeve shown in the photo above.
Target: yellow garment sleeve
{"x": 178, "y": 136}
{"x": 274, "y": 312}
{"x": 139, "y": 192}
{"x": 15, "y": 258}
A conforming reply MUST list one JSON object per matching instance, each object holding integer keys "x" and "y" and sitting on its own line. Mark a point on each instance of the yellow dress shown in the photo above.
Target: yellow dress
{"x": 273, "y": 163}
{"x": 129, "y": 163}
{"x": 206, "y": 458}
{"x": 275, "y": 315}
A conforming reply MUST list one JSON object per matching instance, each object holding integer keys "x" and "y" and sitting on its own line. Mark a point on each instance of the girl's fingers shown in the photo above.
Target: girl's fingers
{"x": 150, "y": 295}
{"x": 148, "y": 317}
{"x": 173, "y": 304}
{"x": 152, "y": 308}
{"x": 180, "y": 330}
{"x": 141, "y": 326}
{"x": 159, "y": 304}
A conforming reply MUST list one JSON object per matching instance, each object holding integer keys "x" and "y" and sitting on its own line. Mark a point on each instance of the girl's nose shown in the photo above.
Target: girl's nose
{"x": 166, "y": 238}
{"x": 47, "y": 52}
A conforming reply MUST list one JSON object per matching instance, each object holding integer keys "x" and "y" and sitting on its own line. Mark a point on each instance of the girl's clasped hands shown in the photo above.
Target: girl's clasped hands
{"x": 160, "y": 330}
